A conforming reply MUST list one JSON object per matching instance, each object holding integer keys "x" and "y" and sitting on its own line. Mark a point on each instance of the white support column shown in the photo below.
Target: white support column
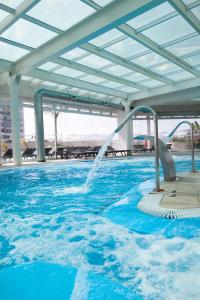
{"x": 125, "y": 139}
{"x": 15, "y": 107}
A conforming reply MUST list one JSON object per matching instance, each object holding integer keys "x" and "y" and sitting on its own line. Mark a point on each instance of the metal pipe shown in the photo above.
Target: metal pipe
{"x": 55, "y": 132}
{"x": 192, "y": 140}
{"x": 39, "y": 113}
{"x": 126, "y": 119}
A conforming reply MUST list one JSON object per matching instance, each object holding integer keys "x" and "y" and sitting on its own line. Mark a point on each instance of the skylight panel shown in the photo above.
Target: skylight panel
{"x": 106, "y": 37}
{"x": 48, "y": 66}
{"x": 111, "y": 84}
{"x": 151, "y": 15}
{"x": 128, "y": 89}
{"x": 3, "y": 15}
{"x": 136, "y": 77}
{"x": 149, "y": 60}
{"x": 169, "y": 30}
{"x": 126, "y": 48}
{"x": 166, "y": 68}
{"x": 187, "y": 2}
{"x": 193, "y": 60}
{"x": 92, "y": 78}
{"x": 102, "y": 3}
{"x": 61, "y": 14}
{"x": 196, "y": 11}
{"x": 186, "y": 46}
{"x": 68, "y": 72}
{"x": 75, "y": 53}
{"x": 153, "y": 83}
{"x": 94, "y": 61}
{"x": 10, "y": 52}
{"x": 117, "y": 70}
{"x": 28, "y": 33}
{"x": 181, "y": 76}
{"x": 11, "y": 3}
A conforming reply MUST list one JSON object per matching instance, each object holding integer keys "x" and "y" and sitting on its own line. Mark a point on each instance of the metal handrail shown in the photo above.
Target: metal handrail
{"x": 151, "y": 110}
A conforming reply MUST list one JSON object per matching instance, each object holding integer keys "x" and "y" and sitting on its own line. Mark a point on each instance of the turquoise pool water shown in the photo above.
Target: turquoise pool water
{"x": 56, "y": 243}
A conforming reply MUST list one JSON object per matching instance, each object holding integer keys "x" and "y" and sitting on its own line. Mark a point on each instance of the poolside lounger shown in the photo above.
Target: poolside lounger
{"x": 8, "y": 154}
{"x": 28, "y": 153}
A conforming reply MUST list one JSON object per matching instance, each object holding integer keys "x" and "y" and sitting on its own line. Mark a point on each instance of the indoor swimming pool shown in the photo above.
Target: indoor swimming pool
{"x": 57, "y": 242}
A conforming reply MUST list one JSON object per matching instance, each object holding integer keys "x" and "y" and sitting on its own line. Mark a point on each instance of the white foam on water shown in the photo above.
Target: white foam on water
{"x": 70, "y": 190}
{"x": 160, "y": 268}
{"x": 81, "y": 286}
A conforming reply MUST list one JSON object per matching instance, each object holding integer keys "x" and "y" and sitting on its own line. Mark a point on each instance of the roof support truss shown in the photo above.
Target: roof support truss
{"x": 114, "y": 14}
{"x": 60, "y": 79}
{"x": 127, "y": 64}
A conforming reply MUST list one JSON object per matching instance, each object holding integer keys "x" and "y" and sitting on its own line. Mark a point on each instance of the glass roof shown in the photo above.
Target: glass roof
{"x": 75, "y": 53}
{"x": 47, "y": 19}
{"x": 70, "y": 12}
{"x": 149, "y": 60}
{"x": 173, "y": 28}
{"x": 151, "y": 15}
{"x": 102, "y": 2}
{"x": 117, "y": 70}
{"x": 10, "y": 52}
{"x": 107, "y": 37}
{"x": 193, "y": 60}
{"x": 186, "y": 46}
{"x": 11, "y": 3}
{"x": 68, "y": 72}
{"x": 196, "y": 11}
{"x": 94, "y": 61}
{"x": 165, "y": 68}
{"x": 92, "y": 78}
{"x": 3, "y": 14}
{"x": 28, "y": 33}
{"x": 126, "y": 48}
{"x": 181, "y": 76}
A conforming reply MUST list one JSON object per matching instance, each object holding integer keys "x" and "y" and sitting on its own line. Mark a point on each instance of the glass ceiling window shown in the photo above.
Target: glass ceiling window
{"x": 111, "y": 84}
{"x": 153, "y": 83}
{"x": 10, "y": 52}
{"x": 28, "y": 33}
{"x": 102, "y": 3}
{"x": 126, "y": 48}
{"x": 48, "y": 66}
{"x": 169, "y": 30}
{"x": 128, "y": 89}
{"x": 11, "y": 3}
{"x": 149, "y": 60}
{"x": 166, "y": 68}
{"x": 75, "y": 53}
{"x": 136, "y": 77}
{"x": 107, "y": 37}
{"x": 117, "y": 70}
{"x": 196, "y": 11}
{"x": 92, "y": 78}
{"x": 193, "y": 60}
{"x": 61, "y": 14}
{"x": 69, "y": 72}
{"x": 3, "y": 15}
{"x": 186, "y": 46}
{"x": 187, "y": 2}
{"x": 151, "y": 15}
{"x": 181, "y": 76}
{"x": 94, "y": 61}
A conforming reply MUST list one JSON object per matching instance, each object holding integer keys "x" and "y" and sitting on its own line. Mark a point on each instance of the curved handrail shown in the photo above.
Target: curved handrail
{"x": 151, "y": 110}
